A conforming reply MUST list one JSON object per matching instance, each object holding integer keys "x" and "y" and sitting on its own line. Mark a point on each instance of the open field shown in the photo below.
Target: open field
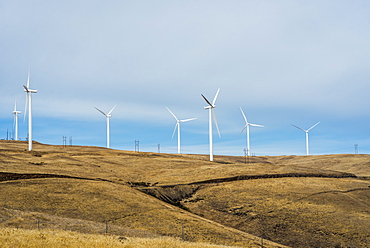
{"x": 299, "y": 201}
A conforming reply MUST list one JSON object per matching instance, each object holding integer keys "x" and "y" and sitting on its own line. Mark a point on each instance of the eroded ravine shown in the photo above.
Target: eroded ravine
{"x": 174, "y": 194}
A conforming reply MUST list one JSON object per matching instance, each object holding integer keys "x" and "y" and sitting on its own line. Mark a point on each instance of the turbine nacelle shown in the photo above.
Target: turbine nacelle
{"x": 209, "y": 107}
{"x": 109, "y": 113}
{"x": 15, "y": 111}
{"x": 306, "y": 131}
{"x": 26, "y": 89}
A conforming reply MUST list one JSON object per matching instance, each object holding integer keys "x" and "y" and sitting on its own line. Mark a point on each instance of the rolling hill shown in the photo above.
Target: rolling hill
{"x": 298, "y": 201}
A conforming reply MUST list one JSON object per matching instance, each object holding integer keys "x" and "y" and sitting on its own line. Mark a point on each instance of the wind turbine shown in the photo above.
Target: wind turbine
{"x": 306, "y": 131}
{"x": 16, "y": 113}
{"x": 29, "y": 103}
{"x": 178, "y": 128}
{"x": 107, "y": 117}
{"x": 246, "y": 127}
{"x": 212, "y": 115}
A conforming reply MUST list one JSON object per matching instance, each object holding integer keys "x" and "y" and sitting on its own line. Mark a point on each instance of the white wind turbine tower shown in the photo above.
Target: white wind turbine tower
{"x": 306, "y": 131}
{"x": 212, "y": 115}
{"x": 16, "y": 113}
{"x": 246, "y": 127}
{"x": 108, "y": 128}
{"x": 29, "y": 103}
{"x": 178, "y": 129}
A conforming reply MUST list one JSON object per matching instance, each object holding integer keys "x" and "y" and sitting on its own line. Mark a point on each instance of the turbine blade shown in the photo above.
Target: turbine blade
{"x": 210, "y": 104}
{"x": 28, "y": 79}
{"x": 15, "y": 116}
{"x": 111, "y": 110}
{"x": 298, "y": 128}
{"x": 215, "y": 120}
{"x": 25, "y": 107}
{"x": 174, "y": 131}
{"x": 243, "y": 129}
{"x": 313, "y": 126}
{"x": 188, "y": 120}
{"x": 214, "y": 99}
{"x": 174, "y": 116}
{"x": 245, "y": 118}
{"x": 255, "y": 125}
{"x": 27, "y": 96}
{"x": 100, "y": 111}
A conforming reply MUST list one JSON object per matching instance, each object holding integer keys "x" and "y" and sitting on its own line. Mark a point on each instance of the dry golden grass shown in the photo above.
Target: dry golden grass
{"x": 96, "y": 202}
{"x": 286, "y": 210}
{"x": 164, "y": 169}
{"x": 17, "y": 238}
{"x": 299, "y": 212}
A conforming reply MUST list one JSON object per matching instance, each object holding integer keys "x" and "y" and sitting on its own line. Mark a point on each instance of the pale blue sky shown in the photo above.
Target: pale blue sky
{"x": 283, "y": 62}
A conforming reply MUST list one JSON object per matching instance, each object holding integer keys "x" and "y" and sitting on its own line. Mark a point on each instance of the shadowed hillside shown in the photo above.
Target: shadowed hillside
{"x": 306, "y": 201}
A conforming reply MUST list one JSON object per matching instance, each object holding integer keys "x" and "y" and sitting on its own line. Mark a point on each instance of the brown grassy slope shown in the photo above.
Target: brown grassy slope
{"x": 357, "y": 164}
{"x": 122, "y": 206}
{"x": 164, "y": 169}
{"x": 60, "y": 202}
{"x": 10, "y": 238}
{"x": 167, "y": 169}
{"x": 299, "y": 212}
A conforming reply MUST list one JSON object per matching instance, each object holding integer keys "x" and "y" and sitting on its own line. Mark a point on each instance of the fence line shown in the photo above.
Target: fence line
{"x": 83, "y": 227}
{"x": 180, "y": 230}
{"x": 107, "y": 228}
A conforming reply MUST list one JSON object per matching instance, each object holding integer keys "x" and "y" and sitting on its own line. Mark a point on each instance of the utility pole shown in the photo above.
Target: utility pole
{"x": 159, "y": 148}
{"x": 356, "y": 148}
{"x": 245, "y": 155}
{"x": 137, "y": 142}
{"x": 70, "y": 140}
{"x": 64, "y": 141}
